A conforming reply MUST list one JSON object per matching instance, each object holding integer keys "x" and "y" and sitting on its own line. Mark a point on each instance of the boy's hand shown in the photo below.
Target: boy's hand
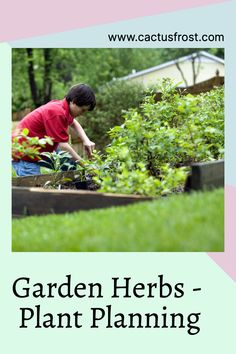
{"x": 80, "y": 162}
{"x": 89, "y": 146}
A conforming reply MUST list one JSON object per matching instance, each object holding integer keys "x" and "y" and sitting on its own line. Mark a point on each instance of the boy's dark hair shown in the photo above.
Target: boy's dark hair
{"x": 81, "y": 95}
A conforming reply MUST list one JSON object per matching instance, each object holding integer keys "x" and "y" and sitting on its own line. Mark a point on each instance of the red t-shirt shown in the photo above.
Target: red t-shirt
{"x": 51, "y": 119}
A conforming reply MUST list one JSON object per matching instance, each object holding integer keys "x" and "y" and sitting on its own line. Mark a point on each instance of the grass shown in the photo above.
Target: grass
{"x": 192, "y": 222}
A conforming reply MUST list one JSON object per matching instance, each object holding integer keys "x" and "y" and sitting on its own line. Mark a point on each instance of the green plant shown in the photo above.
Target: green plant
{"x": 57, "y": 161}
{"x": 150, "y": 152}
{"x": 23, "y": 145}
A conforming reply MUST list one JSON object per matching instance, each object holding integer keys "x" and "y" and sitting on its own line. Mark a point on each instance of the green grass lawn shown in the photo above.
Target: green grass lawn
{"x": 192, "y": 222}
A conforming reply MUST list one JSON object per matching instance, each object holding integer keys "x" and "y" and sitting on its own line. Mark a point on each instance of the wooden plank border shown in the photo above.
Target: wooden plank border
{"x": 38, "y": 201}
{"x": 40, "y": 180}
{"x": 205, "y": 175}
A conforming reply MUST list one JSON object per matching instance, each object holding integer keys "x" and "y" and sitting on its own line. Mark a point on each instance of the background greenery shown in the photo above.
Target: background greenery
{"x": 151, "y": 150}
{"x": 39, "y": 75}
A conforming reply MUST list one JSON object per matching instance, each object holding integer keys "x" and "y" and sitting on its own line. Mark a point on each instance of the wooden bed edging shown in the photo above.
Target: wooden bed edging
{"x": 38, "y": 201}
{"x": 205, "y": 175}
{"x": 40, "y": 180}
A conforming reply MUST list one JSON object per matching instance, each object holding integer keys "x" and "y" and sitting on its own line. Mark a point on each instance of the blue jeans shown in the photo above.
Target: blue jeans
{"x": 25, "y": 168}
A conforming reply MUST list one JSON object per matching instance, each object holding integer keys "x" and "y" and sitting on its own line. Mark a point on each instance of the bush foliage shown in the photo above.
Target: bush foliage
{"x": 150, "y": 152}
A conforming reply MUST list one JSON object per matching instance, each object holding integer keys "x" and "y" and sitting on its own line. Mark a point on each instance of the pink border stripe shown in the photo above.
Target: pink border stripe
{"x": 227, "y": 260}
{"x": 27, "y": 18}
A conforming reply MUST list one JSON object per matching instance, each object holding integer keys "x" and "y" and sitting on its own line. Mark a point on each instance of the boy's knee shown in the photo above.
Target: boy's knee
{"x": 25, "y": 168}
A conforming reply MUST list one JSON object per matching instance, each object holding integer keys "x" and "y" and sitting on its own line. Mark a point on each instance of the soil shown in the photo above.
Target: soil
{"x": 88, "y": 184}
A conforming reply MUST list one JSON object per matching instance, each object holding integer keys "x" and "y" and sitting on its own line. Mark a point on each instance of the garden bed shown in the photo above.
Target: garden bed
{"x": 59, "y": 180}
{"x": 29, "y": 199}
{"x": 40, "y": 180}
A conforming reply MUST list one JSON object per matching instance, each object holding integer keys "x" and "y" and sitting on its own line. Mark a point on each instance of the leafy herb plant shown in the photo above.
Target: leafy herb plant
{"x": 23, "y": 145}
{"x": 150, "y": 152}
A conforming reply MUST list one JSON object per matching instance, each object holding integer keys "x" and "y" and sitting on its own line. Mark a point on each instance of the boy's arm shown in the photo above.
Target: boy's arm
{"x": 87, "y": 143}
{"x": 68, "y": 148}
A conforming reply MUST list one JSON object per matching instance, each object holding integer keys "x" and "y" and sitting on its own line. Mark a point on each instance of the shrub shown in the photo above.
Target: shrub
{"x": 149, "y": 152}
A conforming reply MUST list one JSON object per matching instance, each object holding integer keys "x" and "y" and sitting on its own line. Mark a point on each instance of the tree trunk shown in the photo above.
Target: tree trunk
{"x": 196, "y": 67}
{"x": 32, "y": 82}
{"x": 47, "y": 89}
{"x": 181, "y": 72}
{"x": 40, "y": 95}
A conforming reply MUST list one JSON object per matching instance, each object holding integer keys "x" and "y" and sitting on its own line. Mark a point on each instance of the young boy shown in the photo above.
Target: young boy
{"x": 53, "y": 120}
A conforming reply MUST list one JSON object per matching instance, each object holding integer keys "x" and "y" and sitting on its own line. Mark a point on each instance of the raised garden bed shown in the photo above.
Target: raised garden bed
{"x": 29, "y": 200}
{"x": 66, "y": 180}
{"x": 40, "y": 180}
